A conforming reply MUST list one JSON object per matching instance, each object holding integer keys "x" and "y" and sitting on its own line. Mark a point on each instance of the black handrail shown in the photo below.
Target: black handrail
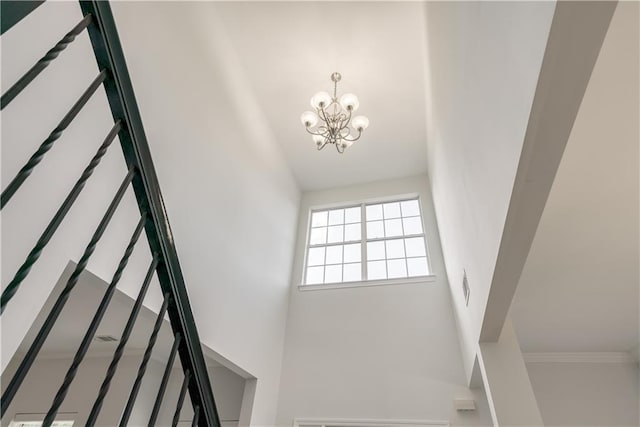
{"x": 113, "y": 75}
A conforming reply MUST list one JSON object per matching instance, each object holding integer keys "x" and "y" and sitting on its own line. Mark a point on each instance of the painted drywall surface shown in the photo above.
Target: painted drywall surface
{"x": 231, "y": 198}
{"x": 41, "y": 385}
{"x": 26, "y": 122}
{"x": 511, "y": 398}
{"x": 378, "y": 352}
{"x": 586, "y": 394}
{"x": 484, "y": 61}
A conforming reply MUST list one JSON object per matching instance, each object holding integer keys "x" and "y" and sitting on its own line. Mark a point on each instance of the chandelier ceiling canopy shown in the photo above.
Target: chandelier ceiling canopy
{"x": 332, "y": 121}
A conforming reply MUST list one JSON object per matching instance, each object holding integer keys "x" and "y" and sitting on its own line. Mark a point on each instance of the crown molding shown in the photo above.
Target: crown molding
{"x": 580, "y": 357}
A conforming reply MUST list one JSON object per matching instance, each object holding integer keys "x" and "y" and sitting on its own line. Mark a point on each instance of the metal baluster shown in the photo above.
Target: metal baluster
{"x": 143, "y": 365}
{"x": 183, "y": 392}
{"x": 43, "y": 63}
{"x": 29, "y": 358}
{"x": 196, "y": 416}
{"x": 165, "y": 381}
{"x": 93, "y": 326}
{"x": 52, "y": 227}
{"x": 117, "y": 355}
{"x": 37, "y": 157}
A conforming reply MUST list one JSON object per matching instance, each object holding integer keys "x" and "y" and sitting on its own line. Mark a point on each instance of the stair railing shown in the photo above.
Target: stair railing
{"x": 113, "y": 75}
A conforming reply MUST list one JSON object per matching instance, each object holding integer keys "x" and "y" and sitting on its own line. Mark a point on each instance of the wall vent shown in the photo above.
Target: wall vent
{"x": 465, "y": 288}
{"x": 106, "y": 338}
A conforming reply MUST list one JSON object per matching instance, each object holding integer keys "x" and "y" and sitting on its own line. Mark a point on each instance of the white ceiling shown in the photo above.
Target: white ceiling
{"x": 579, "y": 287}
{"x": 278, "y": 54}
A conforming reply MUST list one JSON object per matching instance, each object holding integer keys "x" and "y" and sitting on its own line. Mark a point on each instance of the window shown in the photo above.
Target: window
{"x": 366, "y": 242}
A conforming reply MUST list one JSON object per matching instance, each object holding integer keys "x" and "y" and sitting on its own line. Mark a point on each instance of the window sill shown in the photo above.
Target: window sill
{"x": 404, "y": 281}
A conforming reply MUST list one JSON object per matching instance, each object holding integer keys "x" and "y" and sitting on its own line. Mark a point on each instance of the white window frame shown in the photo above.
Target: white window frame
{"x": 429, "y": 277}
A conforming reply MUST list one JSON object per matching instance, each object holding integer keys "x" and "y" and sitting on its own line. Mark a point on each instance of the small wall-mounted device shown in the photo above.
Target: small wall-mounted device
{"x": 464, "y": 404}
{"x": 465, "y": 288}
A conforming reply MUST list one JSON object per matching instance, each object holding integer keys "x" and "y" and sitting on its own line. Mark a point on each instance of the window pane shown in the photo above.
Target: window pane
{"x": 352, "y": 253}
{"x": 417, "y": 267}
{"x": 336, "y": 217}
{"x": 352, "y": 272}
{"x": 318, "y": 236}
{"x": 415, "y": 247}
{"x": 335, "y": 234}
{"x": 375, "y": 229}
{"x": 333, "y": 274}
{"x": 376, "y": 270}
{"x": 393, "y": 227}
{"x": 352, "y": 215}
{"x": 396, "y": 268}
{"x": 334, "y": 255}
{"x": 412, "y": 225}
{"x": 410, "y": 208}
{"x": 316, "y": 256}
{"x": 395, "y": 248}
{"x": 352, "y": 232}
{"x": 315, "y": 275}
{"x": 391, "y": 210}
{"x": 374, "y": 212}
{"x": 319, "y": 219}
{"x": 375, "y": 250}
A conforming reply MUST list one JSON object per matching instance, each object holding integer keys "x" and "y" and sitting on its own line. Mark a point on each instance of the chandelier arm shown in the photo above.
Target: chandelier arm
{"x": 323, "y": 115}
{"x": 353, "y": 139}
{"x": 346, "y": 123}
{"x": 316, "y": 133}
{"x": 340, "y": 150}
{"x": 321, "y": 146}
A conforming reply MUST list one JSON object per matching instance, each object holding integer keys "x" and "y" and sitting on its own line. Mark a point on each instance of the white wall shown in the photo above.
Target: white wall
{"x": 586, "y": 394}
{"x": 231, "y": 199}
{"x": 42, "y": 382}
{"x": 26, "y": 122}
{"x": 484, "y": 61}
{"x": 504, "y": 375}
{"x": 380, "y": 352}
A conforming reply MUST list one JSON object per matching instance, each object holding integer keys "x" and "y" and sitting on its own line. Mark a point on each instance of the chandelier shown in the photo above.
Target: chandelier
{"x": 329, "y": 124}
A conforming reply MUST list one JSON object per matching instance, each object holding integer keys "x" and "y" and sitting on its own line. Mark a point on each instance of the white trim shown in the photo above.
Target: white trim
{"x": 402, "y": 281}
{"x": 346, "y": 422}
{"x": 579, "y": 357}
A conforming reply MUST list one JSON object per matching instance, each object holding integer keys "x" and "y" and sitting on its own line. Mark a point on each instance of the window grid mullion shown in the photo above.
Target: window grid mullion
{"x": 324, "y": 264}
{"x": 406, "y": 263}
{"x": 384, "y": 245}
{"x": 363, "y": 243}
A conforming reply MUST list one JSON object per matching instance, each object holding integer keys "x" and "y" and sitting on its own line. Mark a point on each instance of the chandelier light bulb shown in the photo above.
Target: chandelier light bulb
{"x": 360, "y": 123}
{"x": 309, "y": 119}
{"x": 321, "y": 100}
{"x": 318, "y": 139}
{"x": 349, "y": 102}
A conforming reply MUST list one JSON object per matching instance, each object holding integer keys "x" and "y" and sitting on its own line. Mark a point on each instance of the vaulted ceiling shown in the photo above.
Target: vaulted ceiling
{"x": 274, "y": 56}
{"x": 279, "y": 54}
